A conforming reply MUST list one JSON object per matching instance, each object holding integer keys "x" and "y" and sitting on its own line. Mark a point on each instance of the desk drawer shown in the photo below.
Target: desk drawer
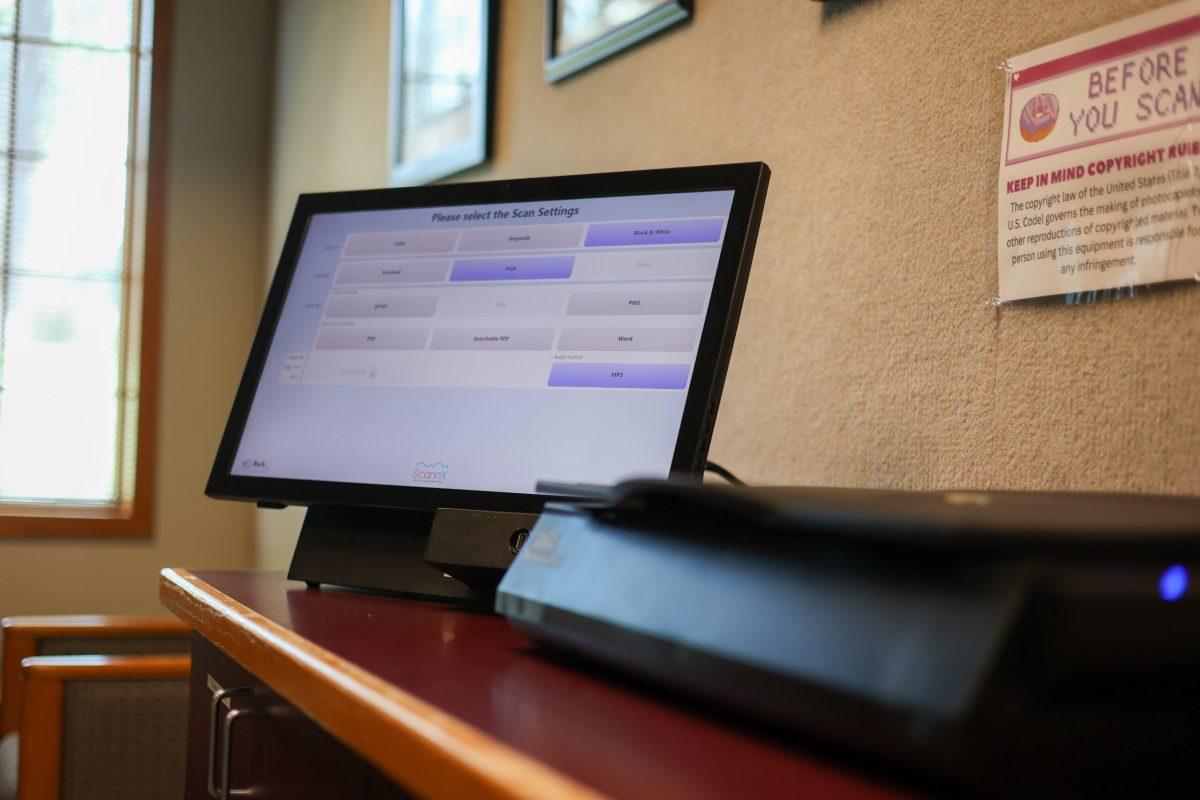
{"x": 271, "y": 748}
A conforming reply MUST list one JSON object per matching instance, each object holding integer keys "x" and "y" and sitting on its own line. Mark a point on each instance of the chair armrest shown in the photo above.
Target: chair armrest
{"x": 22, "y": 634}
{"x": 59, "y": 669}
{"x": 39, "y": 769}
{"x": 92, "y": 626}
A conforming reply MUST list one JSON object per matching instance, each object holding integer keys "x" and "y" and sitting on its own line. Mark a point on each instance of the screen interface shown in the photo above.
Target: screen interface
{"x": 488, "y": 347}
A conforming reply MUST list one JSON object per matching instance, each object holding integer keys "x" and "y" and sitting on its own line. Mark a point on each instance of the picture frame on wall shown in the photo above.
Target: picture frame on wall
{"x": 441, "y": 88}
{"x": 580, "y": 33}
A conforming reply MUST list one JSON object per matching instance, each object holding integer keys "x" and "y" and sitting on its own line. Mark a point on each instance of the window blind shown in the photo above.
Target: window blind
{"x": 75, "y": 95}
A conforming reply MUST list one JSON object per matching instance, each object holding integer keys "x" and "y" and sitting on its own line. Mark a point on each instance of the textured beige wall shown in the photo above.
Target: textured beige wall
{"x": 329, "y": 132}
{"x": 215, "y": 196}
{"x": 866, "y": 355}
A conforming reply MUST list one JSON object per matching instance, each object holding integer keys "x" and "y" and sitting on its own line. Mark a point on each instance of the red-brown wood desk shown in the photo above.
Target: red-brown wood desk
{"x": 374, "y": 696}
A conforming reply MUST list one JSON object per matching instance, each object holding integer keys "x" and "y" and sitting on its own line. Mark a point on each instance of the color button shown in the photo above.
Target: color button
{"x": 619, "y": 376}
{"x": 391, "y": 243}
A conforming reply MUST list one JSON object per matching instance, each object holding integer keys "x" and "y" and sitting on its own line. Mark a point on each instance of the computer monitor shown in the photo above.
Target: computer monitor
{"x": 451, "y": 346}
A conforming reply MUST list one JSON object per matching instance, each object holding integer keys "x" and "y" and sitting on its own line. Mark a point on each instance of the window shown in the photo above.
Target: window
{"x": 80, "y": 221}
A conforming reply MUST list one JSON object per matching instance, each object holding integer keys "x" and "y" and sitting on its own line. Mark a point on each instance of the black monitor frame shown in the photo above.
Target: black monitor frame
{"x": 749, "y": 183}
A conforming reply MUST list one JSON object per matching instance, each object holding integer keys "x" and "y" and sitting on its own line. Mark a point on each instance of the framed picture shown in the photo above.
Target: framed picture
{"x": 441, "y": 87}
{"x": 580, "y": 33}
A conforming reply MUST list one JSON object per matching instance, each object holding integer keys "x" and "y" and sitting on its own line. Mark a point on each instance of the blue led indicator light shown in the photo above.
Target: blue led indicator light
{"x": 1173, "y": 583}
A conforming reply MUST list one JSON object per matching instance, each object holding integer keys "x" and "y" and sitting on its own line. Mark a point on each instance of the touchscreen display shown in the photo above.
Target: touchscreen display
{"x": 488, "y": 347}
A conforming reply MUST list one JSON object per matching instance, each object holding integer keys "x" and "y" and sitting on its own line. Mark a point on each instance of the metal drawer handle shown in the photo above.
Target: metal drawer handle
{"x": 227, "y": 751}
{"x": 218, "y": 696}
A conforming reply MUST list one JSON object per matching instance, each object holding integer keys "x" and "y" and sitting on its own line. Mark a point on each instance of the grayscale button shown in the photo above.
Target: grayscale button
{"x": 533, "y": 237}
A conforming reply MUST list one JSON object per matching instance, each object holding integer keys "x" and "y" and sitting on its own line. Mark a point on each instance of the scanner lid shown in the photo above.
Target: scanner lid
{"x": 997, "y": 522}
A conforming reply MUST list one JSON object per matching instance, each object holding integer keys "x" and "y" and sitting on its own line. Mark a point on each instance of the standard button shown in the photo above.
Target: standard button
{"x": 391, "y": 271}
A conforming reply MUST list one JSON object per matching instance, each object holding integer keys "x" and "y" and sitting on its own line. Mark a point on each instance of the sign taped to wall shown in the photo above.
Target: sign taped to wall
{"x": 1100, "y": 159}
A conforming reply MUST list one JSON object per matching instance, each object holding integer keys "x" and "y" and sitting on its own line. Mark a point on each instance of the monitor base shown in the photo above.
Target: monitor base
{"x": 386, "y": 550}
{"x": 366, "y": 548}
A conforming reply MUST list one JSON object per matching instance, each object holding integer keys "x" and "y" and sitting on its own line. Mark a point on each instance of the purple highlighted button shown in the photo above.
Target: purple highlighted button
{"x": 512, "y": 269}
{"x": 620, "y": 376}
{"x": 665, "y": 231}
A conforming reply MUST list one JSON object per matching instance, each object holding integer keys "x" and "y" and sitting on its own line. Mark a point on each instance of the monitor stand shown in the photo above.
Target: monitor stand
{"x": 386, "y": 550}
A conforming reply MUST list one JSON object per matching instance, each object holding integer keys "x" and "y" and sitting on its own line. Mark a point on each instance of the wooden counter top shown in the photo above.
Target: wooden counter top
{"x": 453, "y": 703}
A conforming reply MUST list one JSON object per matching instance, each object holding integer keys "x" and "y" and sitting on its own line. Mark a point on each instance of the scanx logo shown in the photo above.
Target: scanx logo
{"x": 430, "y": 473}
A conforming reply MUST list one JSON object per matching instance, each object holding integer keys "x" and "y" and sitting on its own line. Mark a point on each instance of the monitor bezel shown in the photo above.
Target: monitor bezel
{"x": 748, "y": 182}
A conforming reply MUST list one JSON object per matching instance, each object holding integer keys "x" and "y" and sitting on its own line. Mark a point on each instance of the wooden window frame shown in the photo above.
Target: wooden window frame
{"x": 130, "y": 519}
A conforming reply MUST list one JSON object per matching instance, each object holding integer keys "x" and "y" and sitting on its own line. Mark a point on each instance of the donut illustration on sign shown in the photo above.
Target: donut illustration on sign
{"x": 1038, "y": 117}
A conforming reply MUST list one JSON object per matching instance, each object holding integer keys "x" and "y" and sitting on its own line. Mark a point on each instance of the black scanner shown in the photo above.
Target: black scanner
{"x": 1000, "y": 641}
